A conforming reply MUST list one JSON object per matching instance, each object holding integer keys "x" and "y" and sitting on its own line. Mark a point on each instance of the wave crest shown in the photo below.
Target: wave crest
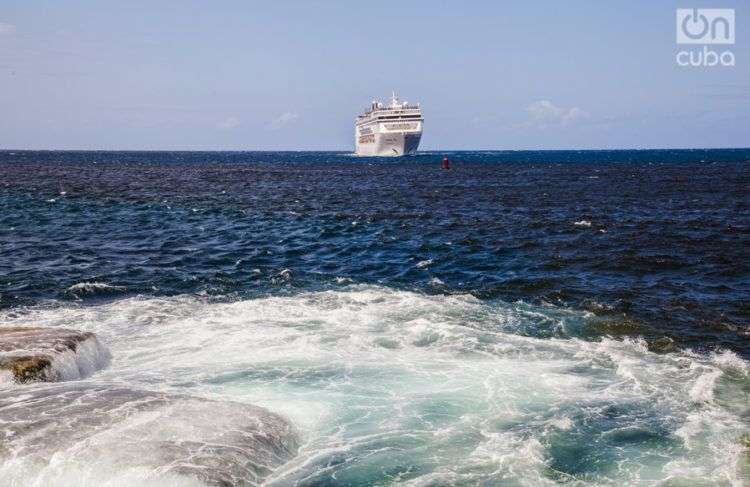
{"x": 388, "y": 384}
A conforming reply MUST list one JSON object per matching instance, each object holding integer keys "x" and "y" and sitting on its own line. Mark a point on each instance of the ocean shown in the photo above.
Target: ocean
{"x": 524, "y": 318}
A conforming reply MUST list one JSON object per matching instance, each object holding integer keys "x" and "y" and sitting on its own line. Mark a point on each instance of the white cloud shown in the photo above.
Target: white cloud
{"x": 544, "y": 112}
{"x": 282, "y": 120}
{"x": 229, "y": 123}
{"x": 7, "y": 29}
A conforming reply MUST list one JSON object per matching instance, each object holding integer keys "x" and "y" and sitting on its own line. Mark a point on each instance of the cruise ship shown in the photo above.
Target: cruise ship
{"x": 392, "y": 130}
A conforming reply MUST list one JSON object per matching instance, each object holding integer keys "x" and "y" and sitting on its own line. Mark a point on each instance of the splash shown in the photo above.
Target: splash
{"x": 107, "y": 434}
{"x": 49, "y": 354}
{"x": 388, "y": 386}
{"x": 87, "y": 289}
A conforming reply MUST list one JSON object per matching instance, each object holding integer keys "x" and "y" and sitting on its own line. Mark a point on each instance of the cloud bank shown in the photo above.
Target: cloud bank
{"x": 228, "y": 123}
{"x": 282, "y": 120}
{"x": 544, "y": 112}
{"x": 7, "y": 29}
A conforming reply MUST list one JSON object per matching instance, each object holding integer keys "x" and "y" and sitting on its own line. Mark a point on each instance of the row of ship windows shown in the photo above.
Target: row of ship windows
{"x": 414, "y": 117}
{"x": 402, "y": 117}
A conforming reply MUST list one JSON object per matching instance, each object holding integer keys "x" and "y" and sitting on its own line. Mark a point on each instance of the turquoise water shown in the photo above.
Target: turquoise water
{"x": 524, "y": 319}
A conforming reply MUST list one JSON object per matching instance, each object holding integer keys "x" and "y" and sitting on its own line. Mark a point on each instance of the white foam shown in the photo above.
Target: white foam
{"x": 285, "y": 275}
{"x": 6, "y": 377}
{"x": 88, "y": 357}
{"x": 703, "y": 388}
{"x": 582, "y": 223}
{"x": 730, "y": 361}
{"x": 563, "y": 423}
{"x": 450, "y": 382}
{"x": 111, "y": 435}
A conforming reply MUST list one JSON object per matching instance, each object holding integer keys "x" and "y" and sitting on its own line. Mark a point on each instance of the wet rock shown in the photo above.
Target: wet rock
{"x": 31, "y": 354}
{"x": 745, "y": 467}
{"x": 663, "y": 344}
{"x": 142, "y": 437}
{"x": 615, "y": 326}
{"x": 28, "y": 368}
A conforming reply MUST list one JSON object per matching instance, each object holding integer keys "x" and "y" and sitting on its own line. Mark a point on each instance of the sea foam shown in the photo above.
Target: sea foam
{"x": 385, "y": 384}
{"x": 70, "y": 354}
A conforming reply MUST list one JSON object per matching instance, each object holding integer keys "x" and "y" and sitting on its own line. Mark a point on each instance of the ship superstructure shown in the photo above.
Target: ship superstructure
{"x": 389, "y": 130}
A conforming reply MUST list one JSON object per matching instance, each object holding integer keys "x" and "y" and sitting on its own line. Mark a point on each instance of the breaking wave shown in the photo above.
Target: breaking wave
{"x": 71, "y": 355}
{"x": 389, "y": 386}
{"x": 86, "y": 289}
{"x": 107, "y": 434}
{"x": 88, "y": 357}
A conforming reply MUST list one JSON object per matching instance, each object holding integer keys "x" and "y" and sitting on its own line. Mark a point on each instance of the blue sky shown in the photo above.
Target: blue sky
{"x": 243, "y": 75}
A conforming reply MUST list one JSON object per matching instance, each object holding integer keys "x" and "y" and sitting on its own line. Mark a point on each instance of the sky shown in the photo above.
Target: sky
{"x": 286, "y": 75}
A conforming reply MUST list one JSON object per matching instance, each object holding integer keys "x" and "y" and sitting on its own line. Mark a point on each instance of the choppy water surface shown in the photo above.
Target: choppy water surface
{"x": 526, "y": 318}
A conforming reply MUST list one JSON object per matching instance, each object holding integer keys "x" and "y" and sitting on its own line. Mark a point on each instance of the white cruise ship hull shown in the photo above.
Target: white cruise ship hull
{"x": 389, "y": 144}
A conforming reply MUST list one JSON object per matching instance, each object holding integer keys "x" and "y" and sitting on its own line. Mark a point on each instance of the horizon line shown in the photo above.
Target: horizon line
{"x": 339, "y": 151}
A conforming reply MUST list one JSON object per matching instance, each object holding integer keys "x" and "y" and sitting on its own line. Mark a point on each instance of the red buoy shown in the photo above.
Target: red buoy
{"x": 446, "y": 163}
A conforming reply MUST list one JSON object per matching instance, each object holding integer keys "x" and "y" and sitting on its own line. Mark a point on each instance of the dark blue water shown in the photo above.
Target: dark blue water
{"x": 526, "y": 318}
{"x": 667, "y": 251}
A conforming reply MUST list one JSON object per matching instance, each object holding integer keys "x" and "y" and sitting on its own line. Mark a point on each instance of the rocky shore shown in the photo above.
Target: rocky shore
{"x": 147, "y": 435}
{"x": 49, "y": 354}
